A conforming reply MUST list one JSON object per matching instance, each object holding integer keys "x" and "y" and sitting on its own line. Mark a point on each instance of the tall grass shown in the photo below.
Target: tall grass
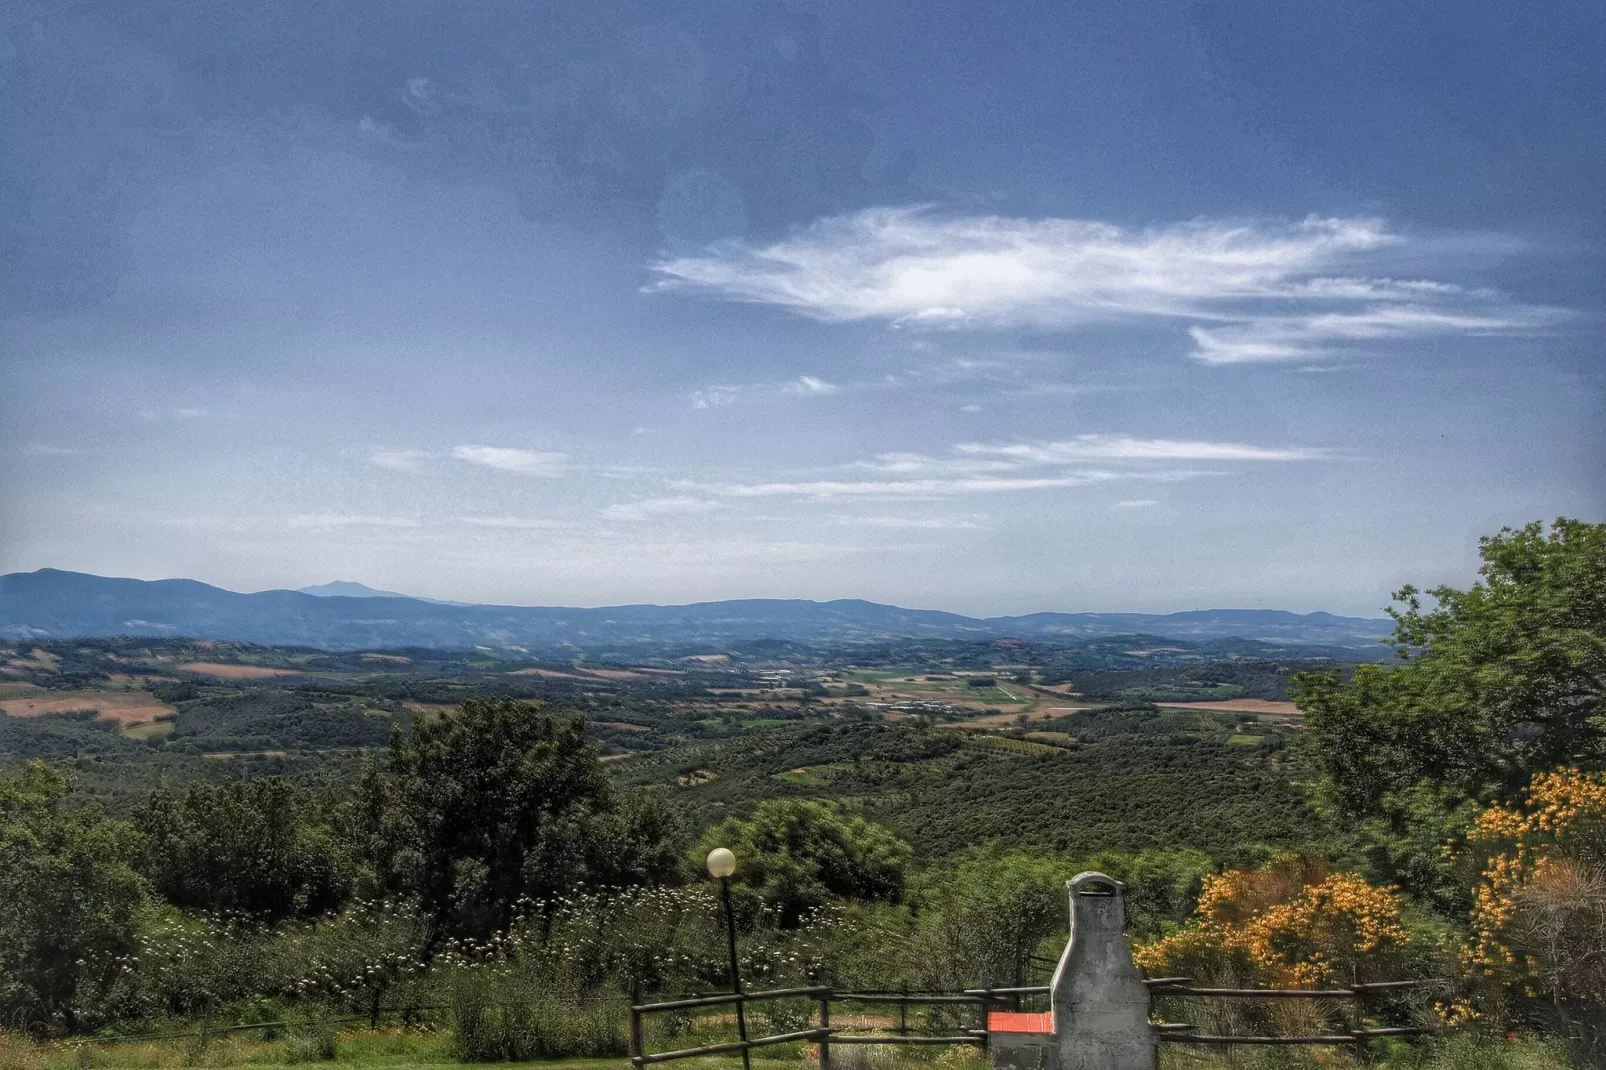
{"x": 492, "y": 1024}
{"x": 1465, "y": 1051}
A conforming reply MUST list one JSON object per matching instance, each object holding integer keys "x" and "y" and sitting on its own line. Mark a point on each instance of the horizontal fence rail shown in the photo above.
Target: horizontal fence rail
{"x": 1259, "y": 993}
{"x": 968, "y": 1039}
{"x": 733, "y": 997}
{"x": 903, "y": 1001}
{"x": 731, "y": 1046}
{"x": 1204, "y": 1038}
{"x": 1183, "y": 1033}
{"x": 899, "y": 998}
{"x": 1175, "y": 1034}
{"x": 639, "y": 1056}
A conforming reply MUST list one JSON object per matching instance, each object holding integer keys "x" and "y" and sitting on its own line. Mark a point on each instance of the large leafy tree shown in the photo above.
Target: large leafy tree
{"x": 980, "y": 917}
{"x": 797, "y": 855}
{"x": 498, "y": 801}
{"x": 259, "y": 847}
{"x": 69, "y": 901}
{"x": 1496, "y": 684}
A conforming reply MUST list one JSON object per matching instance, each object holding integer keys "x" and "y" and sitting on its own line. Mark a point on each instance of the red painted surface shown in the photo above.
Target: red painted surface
{"x": 1020, "y": 1022}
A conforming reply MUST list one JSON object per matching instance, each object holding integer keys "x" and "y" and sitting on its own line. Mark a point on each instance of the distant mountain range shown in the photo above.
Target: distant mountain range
{"x": 350, "y": 589}
{"x": 50, "y": 604}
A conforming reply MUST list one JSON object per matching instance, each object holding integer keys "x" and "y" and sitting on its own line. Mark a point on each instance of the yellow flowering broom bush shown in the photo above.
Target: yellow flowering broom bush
{"x": 1288, "y": 924}
{"x": 1539, "y": 910}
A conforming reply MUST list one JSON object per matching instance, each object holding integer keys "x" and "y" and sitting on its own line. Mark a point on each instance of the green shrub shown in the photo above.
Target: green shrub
{"x": 496, "y": 1019}
{"x": 311, "y": 1037}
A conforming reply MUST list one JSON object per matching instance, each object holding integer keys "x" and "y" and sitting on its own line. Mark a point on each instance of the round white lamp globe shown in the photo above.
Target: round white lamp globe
{"x": 721, "y": 863}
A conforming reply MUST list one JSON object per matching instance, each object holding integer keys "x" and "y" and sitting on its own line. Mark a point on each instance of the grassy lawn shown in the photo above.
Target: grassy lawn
{"x": 389, "y": 1049}
{"x": 396, "y": 1049}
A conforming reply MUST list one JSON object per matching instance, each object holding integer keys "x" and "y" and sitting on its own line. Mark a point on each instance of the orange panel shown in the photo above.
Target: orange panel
{"x": 1019, "y": 1022}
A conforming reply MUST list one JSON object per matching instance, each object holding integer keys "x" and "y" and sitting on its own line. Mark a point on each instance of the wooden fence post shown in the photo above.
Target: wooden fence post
{"x": 637, "y": 1048}
{"x": 825, "y": 1038}
{"x": 1359, "y": 1017}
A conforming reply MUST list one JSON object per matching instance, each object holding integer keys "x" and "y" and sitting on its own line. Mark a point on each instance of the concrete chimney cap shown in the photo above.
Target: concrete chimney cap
{"x": 1095, "y": 884}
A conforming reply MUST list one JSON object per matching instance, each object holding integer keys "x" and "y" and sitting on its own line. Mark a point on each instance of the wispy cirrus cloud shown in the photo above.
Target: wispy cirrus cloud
{"x": 719, "y": 395}
{"x": 508, "y": 459}
{"x": 515, "y": 523}
{"x": 399, "y": 460}
{"x": 918, "y": 488}
{"x": 1251, "y": 291}
{"x": 291, "y": 523}
{"x": 928, "y": 523}
{"x": 657, "y": 508}
{"x": 808, "y": 384}
{"x": 1297, "y": 337}
{"x": 1126, "y": 448}
{"x": 713, "y": 397}
{"x": 991, "y": 468}
{"x": 332, "y": 521}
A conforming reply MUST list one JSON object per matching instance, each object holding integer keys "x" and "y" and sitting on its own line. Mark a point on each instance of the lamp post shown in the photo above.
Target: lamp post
{"x": 721, "y": 864}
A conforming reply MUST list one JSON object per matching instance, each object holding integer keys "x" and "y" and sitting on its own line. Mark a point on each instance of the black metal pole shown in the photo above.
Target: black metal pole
{"x": 736, "y": 973}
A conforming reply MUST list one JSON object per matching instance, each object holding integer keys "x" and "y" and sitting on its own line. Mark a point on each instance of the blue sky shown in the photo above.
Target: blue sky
{"x": 993, "y": 308}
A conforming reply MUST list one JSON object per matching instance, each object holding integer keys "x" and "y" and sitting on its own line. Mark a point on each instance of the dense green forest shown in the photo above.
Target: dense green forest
{"x": 230, "y": 834}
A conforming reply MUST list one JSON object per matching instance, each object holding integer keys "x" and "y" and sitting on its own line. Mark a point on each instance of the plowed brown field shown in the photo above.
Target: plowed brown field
{"x": 124, "y": 707}
{"x": 235, "y": 672}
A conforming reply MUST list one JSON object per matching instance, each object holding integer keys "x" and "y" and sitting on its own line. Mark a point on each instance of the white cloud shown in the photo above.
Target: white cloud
{"x": 919, "y": 464}
{"x": 987, "y": 468}
{"x": 651, "y": 508}
{"x": 1253, "y": 290}
{"x": 935, "y": 523}
{"x": 1125, "y": 448}
{"x": 908, "y": 488}
{"x": 714, "y": 396}
{"x": 507, "y": 459}
{"x": 912, "y": 263}
{"x": 332, "y": 521}
{"x": 520, "y": 523}
{"x": 399, "y": 460}
{"x": 1136, "y": 503}
{"x": 808, "y": 384}
{"x": 1297, "y": 337}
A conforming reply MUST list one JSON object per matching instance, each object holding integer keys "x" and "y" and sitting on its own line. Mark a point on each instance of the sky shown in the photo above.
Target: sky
{"x": 994, "y": 308}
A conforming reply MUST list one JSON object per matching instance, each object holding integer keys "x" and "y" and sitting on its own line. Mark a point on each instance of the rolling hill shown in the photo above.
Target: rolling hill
{"x": 51, "y": 603}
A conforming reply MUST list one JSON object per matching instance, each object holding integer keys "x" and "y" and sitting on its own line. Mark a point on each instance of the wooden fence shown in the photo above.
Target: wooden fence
{"x": 982, "y": 1000}
{"x": 1358, "y": 1035}
{"x": 986, "y": 999}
